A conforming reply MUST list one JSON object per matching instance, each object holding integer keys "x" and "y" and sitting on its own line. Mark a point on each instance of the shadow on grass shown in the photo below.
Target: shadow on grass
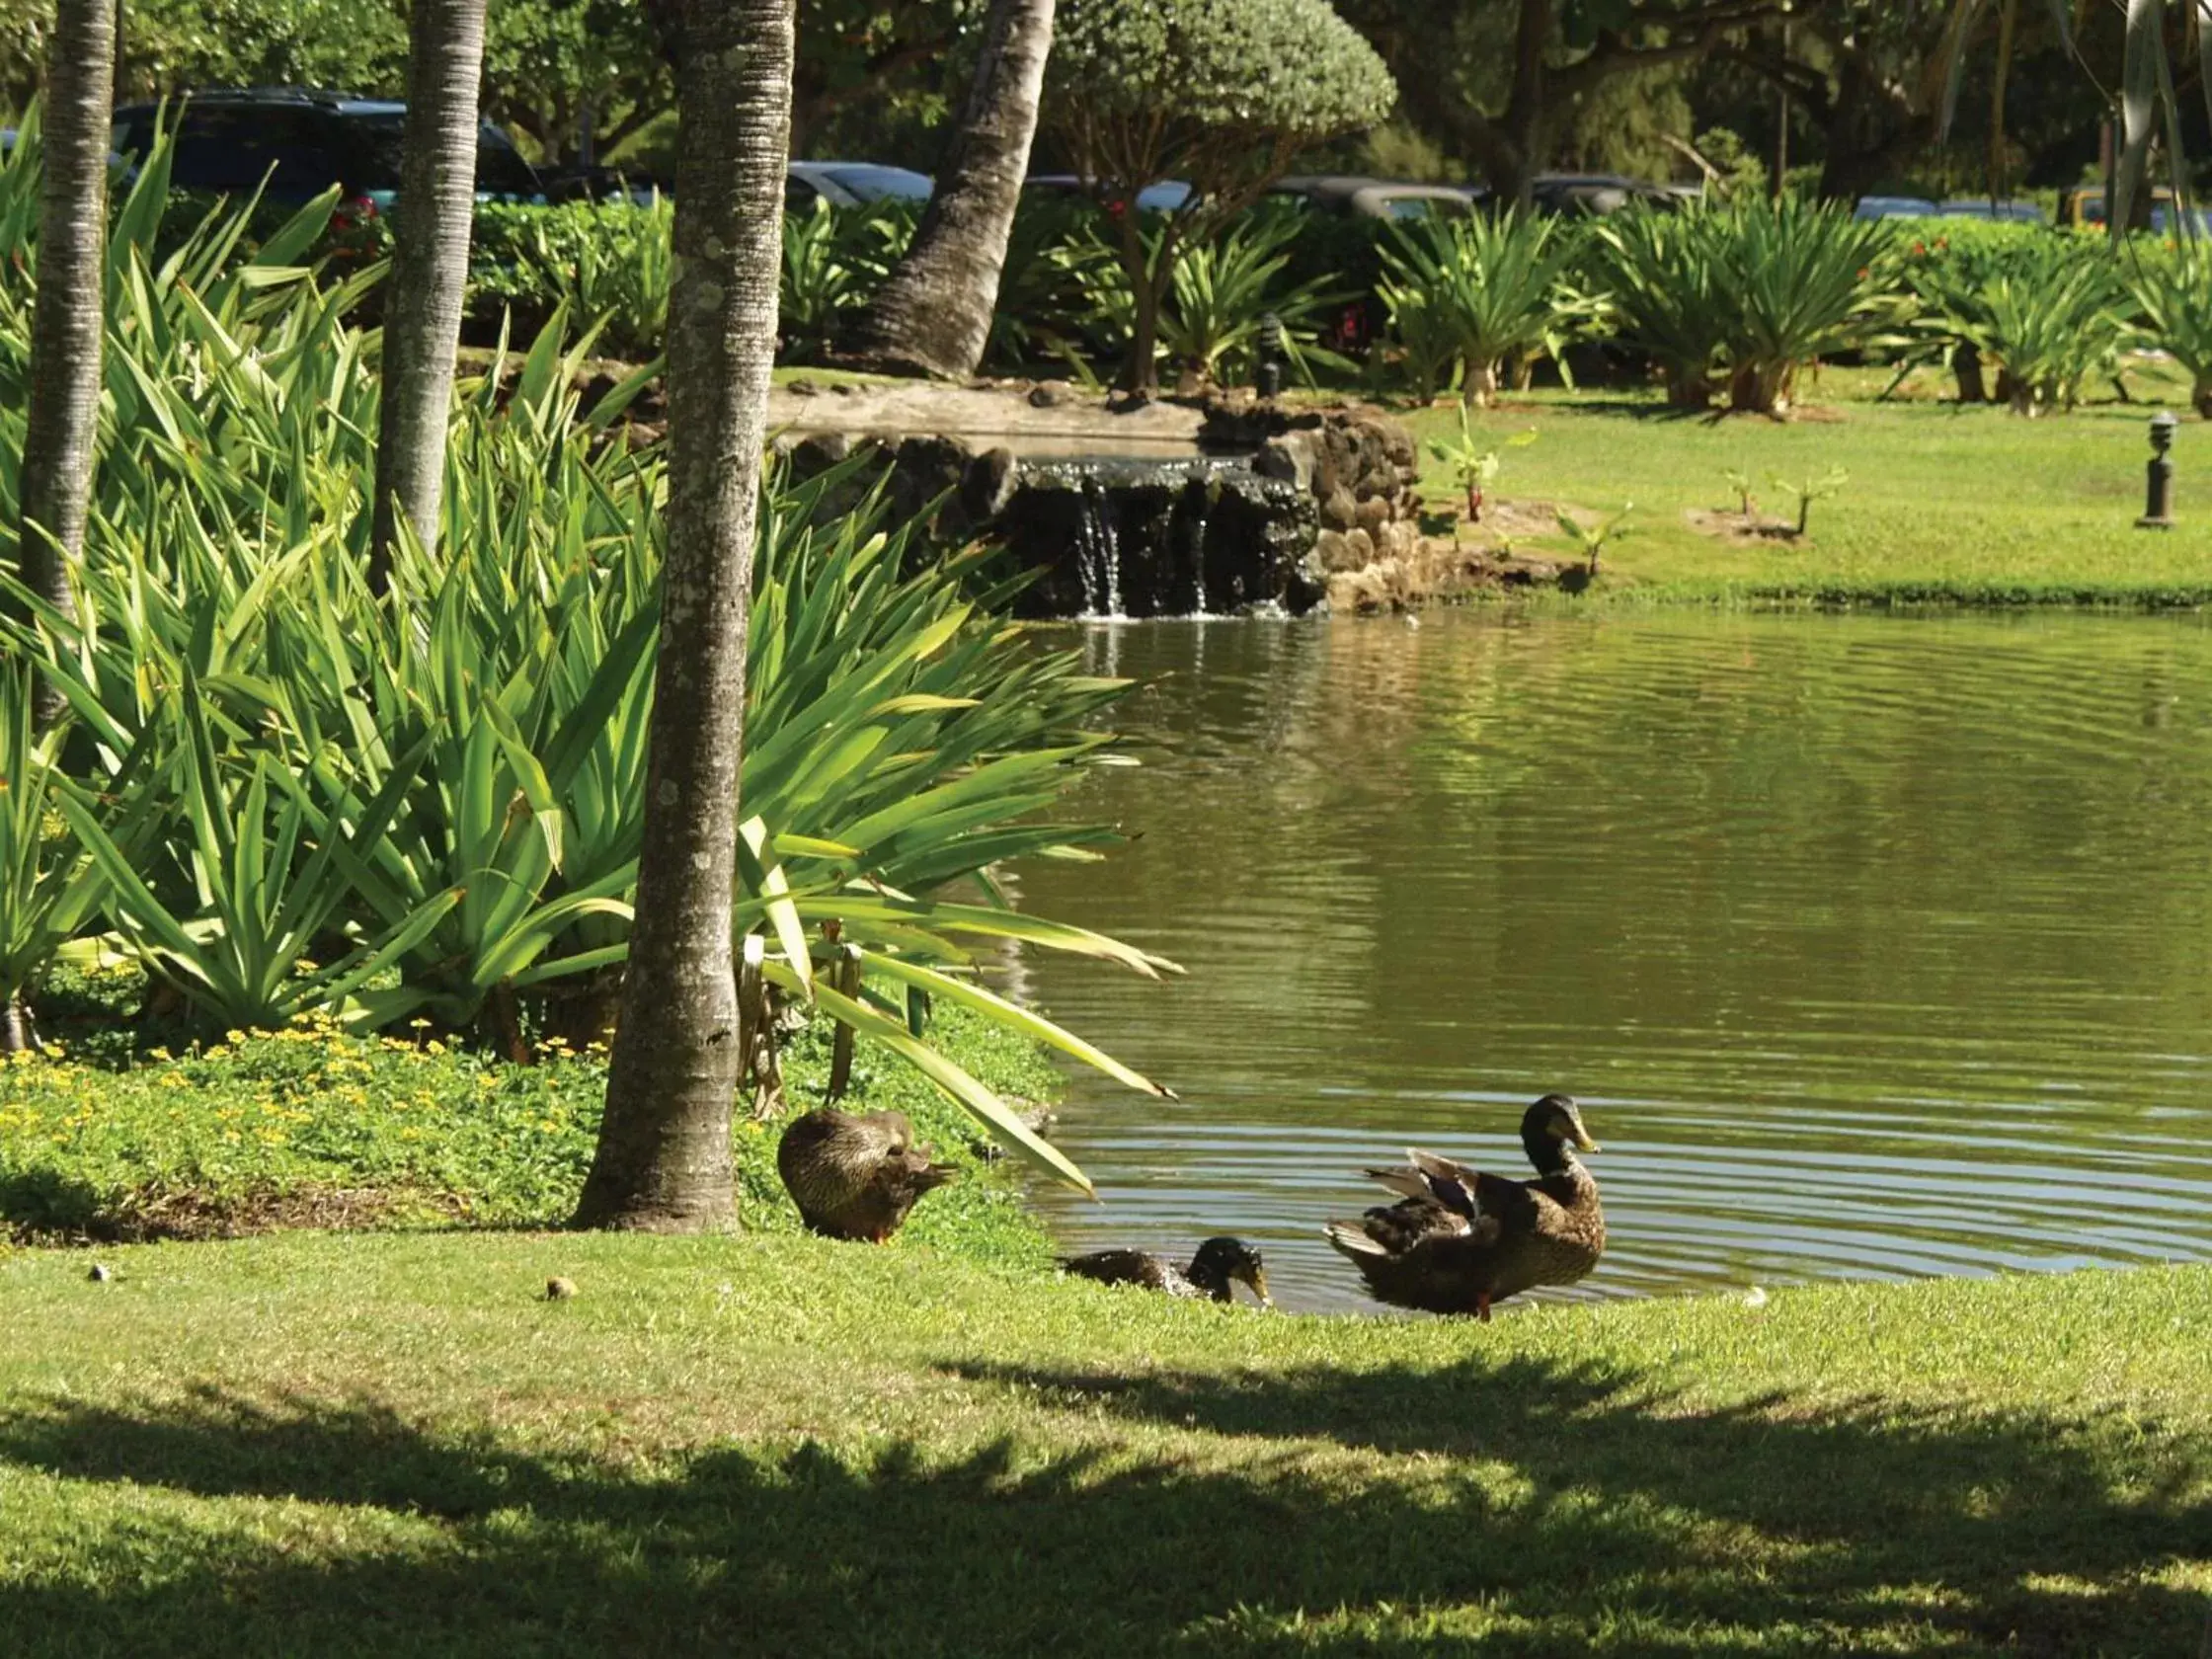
{"x": 1508, "y": 1507}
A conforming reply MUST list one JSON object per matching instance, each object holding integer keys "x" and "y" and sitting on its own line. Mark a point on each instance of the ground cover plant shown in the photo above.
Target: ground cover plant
{"x": 434, "y": 795}
{"x": 797, "y": 1447}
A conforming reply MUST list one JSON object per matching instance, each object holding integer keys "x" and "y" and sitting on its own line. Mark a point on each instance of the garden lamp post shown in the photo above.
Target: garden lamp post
{"x": 2158, "y": 510}
{"x": 1266, "y": 376}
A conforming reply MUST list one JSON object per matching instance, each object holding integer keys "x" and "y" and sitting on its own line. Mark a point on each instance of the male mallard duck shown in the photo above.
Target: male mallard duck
{"x": 855, "y": 1175}
{"x": 1459, "y": 1240}
{"x": 1220, "y": 1265}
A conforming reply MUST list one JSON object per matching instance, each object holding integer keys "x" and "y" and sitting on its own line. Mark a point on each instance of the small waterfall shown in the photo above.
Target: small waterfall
{"x": 1098, "y": 553}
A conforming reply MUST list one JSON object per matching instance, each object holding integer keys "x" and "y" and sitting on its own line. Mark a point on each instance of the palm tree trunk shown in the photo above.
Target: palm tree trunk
{"x": 663, "y": 1154}
{"x": 68, "y": 315}
{"x": 430, "y": 268}
{"x": 934, "y": 314}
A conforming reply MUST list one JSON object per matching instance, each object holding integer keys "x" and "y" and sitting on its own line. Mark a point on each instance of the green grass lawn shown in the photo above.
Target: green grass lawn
{"x": 385, "y": 1443}
{"x": 1944, "y": 504}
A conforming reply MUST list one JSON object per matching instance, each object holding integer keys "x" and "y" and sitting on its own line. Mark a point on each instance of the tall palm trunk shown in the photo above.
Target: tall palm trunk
{"x": 934, "y": 314}
{"x": 663, "y": 1154}
{"x": 69, "y": 317}
{"x": 430, "y": 268}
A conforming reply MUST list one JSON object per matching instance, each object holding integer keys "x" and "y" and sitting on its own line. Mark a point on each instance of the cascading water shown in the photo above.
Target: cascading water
{"x": 1098, "y": 553}
{"x": 1113, "y": 538}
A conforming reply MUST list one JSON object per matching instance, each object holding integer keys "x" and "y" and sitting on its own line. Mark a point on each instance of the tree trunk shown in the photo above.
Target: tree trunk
{"x": 1478, "y": 382}
{"x": 1147, "y": 286}
{"x": 934, "y": 315}
{"x": 1966, "y": 368}
{"x": 68, "y": 315}
{"x": 19, "y": 1033}
{"x": 664, "y": 1158}
{"x": 430, "y": 270}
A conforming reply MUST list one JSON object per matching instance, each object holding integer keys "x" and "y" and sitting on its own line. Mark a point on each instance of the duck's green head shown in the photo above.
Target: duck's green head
{"x": 1224, "y": 1261}
{"x": 1555, "y": 1121}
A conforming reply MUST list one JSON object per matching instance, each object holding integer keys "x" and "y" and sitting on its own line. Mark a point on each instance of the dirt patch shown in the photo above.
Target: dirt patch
{"x": 154, "y": 1214}
{"x": 1734, "y": 528}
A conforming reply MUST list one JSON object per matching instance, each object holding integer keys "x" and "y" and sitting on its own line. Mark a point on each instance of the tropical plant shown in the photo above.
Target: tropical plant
{"x": 1659, "y": 280}
{"x": 2049, "y": 328}
{"x": 1220, "y": 93}
{"x": 1472, "y": 462}
{"x": 1797, "y": 281}
{"x": 1739, "y": 481}
{"x": 49, "y": 891}
{"x": 833, "y": 260}
{"x": 1491, "y": 285}
{"x": 1806, "y": 490}
{"x": 1218, "y": 303}
{"x": 1591, "y": 538}
{"x": 2172, "y": 294}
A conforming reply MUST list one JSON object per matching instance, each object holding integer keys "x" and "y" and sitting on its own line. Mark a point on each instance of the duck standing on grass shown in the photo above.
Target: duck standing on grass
{"x": 855, "y": 1175}
{"x": 1459, "y": 1240}
{"x": 1221, "y": 1265}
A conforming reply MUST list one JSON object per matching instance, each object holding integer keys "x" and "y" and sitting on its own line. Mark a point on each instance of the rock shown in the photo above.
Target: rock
{"x": 1372, "y": 514}
{"x": 1050, "y": 394}
{"x": 101, "y": 1273}
{"x": 1333, "y": 552}
{"x": 803, "y": 388}
{"x": 1339, "y": 511}
{"x": 843, "y": 388}
{"x": 1289, "y": 458}
{"x": 1360, "y": 546}
{"x": 559, "y": 1290}
{"x": 1397, "y": 539}
{"x": 819, "y": 452}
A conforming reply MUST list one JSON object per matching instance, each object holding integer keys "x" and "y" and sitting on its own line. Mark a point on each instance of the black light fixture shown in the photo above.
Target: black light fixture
{"x": 2158, "y": 510}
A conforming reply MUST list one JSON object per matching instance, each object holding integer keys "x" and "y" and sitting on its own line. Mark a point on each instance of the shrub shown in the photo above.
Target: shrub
{"x": 2173, "y": 291}
{"x": 833, "y": 261}
{"x": 1799, "y": 281}
{"x": 1221, "y": 93}
{"x": 1486, "y": 287}
{"x": 1658, "y": 280}
{"x": 435, "y": 795}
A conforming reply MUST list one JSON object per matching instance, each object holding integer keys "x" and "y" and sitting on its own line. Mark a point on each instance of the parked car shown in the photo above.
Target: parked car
{"x": 1595, "y": 195}
{"x": 1165, "y": 196}
{"x": 2086, "y": 207}
{"x": 1893, "y": 207}
{"x": 1378, "y": 198}
{"x": 1982, "y": 208}
{"x": 301, "y": 141}
{"x": 851, "y": 184}
{"x": 601, "y": 184}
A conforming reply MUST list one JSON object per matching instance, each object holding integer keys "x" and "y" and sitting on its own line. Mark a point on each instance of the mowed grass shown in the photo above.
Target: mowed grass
{"x": 1943, "y": 504}
{"x": 387, "y": 1443}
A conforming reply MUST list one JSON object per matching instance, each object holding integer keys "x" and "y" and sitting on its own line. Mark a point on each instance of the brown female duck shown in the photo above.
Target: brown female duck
{"x": 1220, "y": 1266}
{"x": 855, "y": 1175}
{"x": 1459, "y": 1240}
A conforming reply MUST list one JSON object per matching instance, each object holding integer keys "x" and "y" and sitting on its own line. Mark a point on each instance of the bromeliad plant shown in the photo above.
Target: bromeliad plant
{"x": 1492, "y": 288}
{"x": 292, "y": 794}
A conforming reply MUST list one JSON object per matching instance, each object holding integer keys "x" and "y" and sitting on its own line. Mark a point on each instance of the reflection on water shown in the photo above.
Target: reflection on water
{"x": 1872, "y": 946}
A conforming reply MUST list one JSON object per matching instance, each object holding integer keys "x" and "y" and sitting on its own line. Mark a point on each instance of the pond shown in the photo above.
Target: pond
{"x": 1873, "y": 946}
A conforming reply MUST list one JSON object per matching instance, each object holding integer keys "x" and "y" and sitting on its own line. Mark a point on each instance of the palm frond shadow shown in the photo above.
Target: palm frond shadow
{"x": 1571, "y": 1505}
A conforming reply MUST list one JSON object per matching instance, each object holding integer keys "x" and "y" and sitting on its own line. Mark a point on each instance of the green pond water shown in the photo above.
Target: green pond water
{"x": 1872, "y": 946}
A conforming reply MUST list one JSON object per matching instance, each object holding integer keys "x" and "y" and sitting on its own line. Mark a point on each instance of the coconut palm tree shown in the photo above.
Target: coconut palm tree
{"x": 934, "y": 314}
{"x": 62, "y": 420}
{"x": 663, "y": 1154}
{"x": 430, "y": 268}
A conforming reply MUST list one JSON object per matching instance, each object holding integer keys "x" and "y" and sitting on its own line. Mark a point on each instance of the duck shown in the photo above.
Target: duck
{"x": 1458, "y": 1240}
{"x": 857, "y": 1174}
{"x": 1214, "y": 1273}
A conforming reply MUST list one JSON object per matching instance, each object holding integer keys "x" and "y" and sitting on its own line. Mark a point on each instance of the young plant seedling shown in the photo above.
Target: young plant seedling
{"x": 1811, "y": 490}
{"x": 1473, "y": 467}
{"x": 1594, "y": 537}
{"x": 1746, "y": 503}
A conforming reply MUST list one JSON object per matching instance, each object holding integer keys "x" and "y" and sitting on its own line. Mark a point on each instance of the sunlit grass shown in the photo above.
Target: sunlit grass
{"x": 783, "y": 1445}
{"x": 1944, "y": 504}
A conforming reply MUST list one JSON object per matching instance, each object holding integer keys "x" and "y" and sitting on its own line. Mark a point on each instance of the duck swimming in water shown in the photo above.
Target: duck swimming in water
{"x": 1214, "y": 1273}
{"x": 1458, "y": 1240}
